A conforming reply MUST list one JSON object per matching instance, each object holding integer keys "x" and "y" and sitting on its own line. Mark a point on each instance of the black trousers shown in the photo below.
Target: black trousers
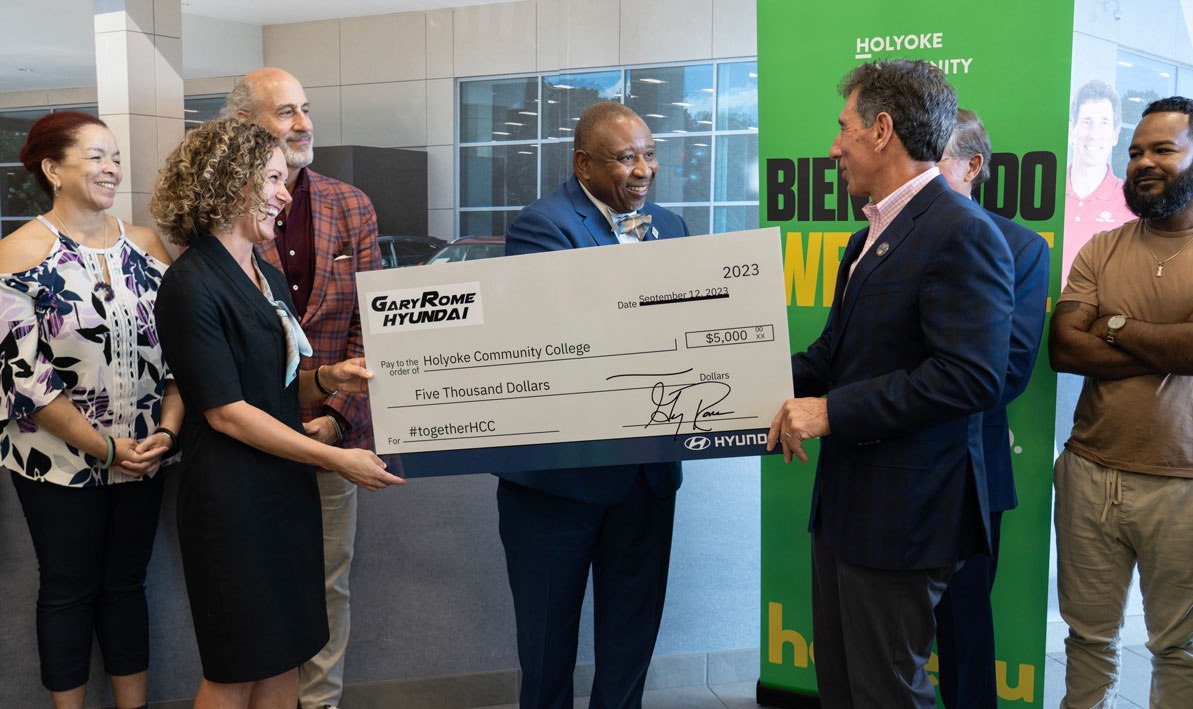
{"x": 965, "y": 632}
{"x": 872, "y": 631}
{"x": 92, "y": 547}
{"x": 550, "y": 544}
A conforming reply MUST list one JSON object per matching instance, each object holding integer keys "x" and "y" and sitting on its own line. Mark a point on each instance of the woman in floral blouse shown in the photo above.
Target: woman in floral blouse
{"x": 87, "y": 407}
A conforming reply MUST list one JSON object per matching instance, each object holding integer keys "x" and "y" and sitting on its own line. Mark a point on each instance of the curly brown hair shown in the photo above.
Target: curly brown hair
{"x": 202, "y": 188}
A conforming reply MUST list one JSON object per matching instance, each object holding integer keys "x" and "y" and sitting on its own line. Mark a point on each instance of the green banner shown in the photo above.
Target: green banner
{"x": 1010, "y": 63}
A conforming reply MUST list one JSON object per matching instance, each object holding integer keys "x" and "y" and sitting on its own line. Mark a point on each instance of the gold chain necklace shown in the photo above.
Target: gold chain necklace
{"x": 1159, "y": 263}
{"x": 72, "y": 236}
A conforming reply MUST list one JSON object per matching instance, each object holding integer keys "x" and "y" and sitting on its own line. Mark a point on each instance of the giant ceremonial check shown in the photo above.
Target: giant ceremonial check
{"x": 664, "y": 350}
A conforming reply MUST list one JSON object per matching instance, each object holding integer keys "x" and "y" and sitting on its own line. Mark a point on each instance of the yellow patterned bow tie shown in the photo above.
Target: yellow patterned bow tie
{"x": 633, "y": 224}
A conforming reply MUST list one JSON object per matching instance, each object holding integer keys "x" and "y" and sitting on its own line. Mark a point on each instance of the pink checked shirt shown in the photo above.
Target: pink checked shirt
{"x": 881, "y": 214}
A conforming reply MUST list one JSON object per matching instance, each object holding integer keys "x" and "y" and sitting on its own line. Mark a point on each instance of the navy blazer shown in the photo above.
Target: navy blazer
{"x": 567, "y": 219}
{"x": 1030, "y": 254}
{"x": 914, "y": 350}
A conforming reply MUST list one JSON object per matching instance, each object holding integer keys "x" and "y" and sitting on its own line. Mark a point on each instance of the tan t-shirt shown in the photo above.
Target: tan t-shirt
{"x": 1141, "y": 424}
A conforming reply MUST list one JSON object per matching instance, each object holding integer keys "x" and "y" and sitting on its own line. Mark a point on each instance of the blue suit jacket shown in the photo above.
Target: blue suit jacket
{"x": 1030, "y": 254}
{"x": 914, "y": 350}
{"x": 567, "y": 219}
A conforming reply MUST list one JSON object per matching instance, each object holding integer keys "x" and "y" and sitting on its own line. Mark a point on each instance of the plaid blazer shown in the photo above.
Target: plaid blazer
{"x": 914, "y": 350}
{"x": 345, "y": 233}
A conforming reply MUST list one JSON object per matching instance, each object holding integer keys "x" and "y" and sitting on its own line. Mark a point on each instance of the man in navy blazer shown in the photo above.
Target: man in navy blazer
{"x": 914, "y": 350}
{"x": 964, "y": 619}
{"x": 557, "y": 524}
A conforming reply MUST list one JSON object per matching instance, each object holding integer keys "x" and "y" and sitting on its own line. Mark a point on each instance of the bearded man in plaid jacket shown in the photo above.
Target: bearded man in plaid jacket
{"x": 327, "y": 234}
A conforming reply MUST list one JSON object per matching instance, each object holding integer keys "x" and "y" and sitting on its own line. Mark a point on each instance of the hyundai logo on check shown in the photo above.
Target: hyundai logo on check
{"x": 697, "y": 443}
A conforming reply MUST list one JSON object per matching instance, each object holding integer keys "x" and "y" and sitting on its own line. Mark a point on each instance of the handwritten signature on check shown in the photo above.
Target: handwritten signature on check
{"x": 679, "y": 404}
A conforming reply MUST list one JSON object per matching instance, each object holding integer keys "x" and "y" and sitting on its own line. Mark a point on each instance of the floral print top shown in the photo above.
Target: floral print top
{"x": 65, "y": 330}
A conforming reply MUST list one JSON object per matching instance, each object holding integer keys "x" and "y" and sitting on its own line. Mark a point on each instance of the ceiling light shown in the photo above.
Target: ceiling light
{"x": 652, "y": 81}
{"x": 525, "y": 152}
{"x": 701, "y": 145}
{"x": 189, "y": 110}
{"x": 500, "y": 132}
{"x": 1166, "y": 75}
{"x": 569, "y": 130}
{"x": 551, "y": 100}
{"x": 660, "y": 140}
{"x": 513, "y": 123}
{"x": 752, "y": 75}
{"x": 575, "y": 119}
{"x": 1136, "y": 99}
{"x": 1123, "y": 63}
{"x": 680, "y": 130}
{"x": 655, "y": 115}
{"x": 707, "y": 91}
{"x": 527, "y": 113}
{"x": 565, "y": 87}
{"x": 681, "y": 104}
{"x": 705, "y": 123}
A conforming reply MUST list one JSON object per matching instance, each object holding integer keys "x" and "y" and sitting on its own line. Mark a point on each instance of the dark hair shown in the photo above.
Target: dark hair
{"x": 1097, "y": 90}
{"x": 49, "y": 137}
{"x": 922, "y": 104}
{"x": 595, "y": 116}
{"x": 1172, "y": 104}
{"x": 202, "y": 187}
{"x": 969, "y": 138}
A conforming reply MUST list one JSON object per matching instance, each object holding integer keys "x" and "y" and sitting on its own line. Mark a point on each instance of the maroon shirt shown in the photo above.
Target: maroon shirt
{"x": 295, "y": 242}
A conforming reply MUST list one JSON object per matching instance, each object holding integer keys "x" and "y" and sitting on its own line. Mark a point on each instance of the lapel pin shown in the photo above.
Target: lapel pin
{"x": 882, "y": 249}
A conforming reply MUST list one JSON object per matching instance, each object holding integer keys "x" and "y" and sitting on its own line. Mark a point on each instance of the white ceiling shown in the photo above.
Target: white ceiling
{"x": 49, "y": 44}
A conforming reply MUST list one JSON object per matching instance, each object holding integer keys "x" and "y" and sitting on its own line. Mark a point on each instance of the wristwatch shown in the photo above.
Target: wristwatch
{"x": 1113, "y": 325}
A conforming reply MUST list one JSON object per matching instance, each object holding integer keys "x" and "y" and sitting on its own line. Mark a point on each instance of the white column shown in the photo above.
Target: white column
{"x": 138, "y": 66}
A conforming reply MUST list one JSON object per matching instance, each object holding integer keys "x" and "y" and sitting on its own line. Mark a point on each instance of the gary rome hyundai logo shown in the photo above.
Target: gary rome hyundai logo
{"x": 697, "y": 443}
{"x": 426, "y": 308}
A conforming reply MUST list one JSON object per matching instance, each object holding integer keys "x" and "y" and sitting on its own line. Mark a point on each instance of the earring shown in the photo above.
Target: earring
{"x": 56, "y": 190}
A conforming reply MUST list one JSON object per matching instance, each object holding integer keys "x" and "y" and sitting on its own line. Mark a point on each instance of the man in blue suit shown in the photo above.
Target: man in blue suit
{"x": 914, "y": 350}
{"x": 557, "y": 524}
{"x": 964, "y": 619}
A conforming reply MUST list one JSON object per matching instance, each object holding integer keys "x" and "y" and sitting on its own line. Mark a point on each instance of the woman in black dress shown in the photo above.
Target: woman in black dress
{"x": 249, "y": 522}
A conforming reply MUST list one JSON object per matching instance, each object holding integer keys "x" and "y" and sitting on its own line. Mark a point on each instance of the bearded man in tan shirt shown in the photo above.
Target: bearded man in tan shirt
{"x": 1124, "y": 484}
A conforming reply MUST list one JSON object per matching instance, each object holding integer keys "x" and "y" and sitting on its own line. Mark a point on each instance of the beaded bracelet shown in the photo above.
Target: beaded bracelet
{"x": 111, "y": 452}
{"x": 319, "y": 384}
{"x": 173, "y": 441}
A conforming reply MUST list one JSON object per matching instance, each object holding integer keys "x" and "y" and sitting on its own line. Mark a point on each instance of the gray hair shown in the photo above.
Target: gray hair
{"x": 969, "y": 138}
{"x": 596, "y": 116}
{"x": 920, "y": 101}
{"x": 240, "y": 98}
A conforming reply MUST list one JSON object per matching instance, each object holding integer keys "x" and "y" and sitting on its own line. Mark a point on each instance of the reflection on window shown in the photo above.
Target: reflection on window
{"x": 704, "y": 119}
{"x": 673, "y": 99}
{"x": 1139, "y": 80}
{"x": 567, "y": 96}
{"x": 199, "y": 109}
{"x": 495, "y": 111}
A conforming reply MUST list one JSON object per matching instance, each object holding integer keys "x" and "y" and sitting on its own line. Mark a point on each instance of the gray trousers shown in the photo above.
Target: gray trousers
{"x": 1107, "y": 521}
{"x": 321, "y": 678}
{"x": 873, "y": 632}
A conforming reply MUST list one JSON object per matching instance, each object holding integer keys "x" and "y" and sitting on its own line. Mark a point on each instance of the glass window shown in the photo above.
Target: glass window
{"x": 19, "y": 194}
{"x": 567, "y": 96}
{"x": 494, "y": 111}
{"x": 498, "y": 175}
{"x": 486, "y": 223}
{"x": 557, "y": 165}
{"x": 515, "y": 140}
{"x": 696, "y": 218}
{"x": 197, "y": 109}
{"x": 1184, "y": 81}
{"x": 673, "y": 99}
{"x": 737, "y": 96}
{"x": 1140, "y": 81}
{"x": 14, "y": 127}
{"x": 684, "y": 170}
{"x": 737, "y": 168}
{"x": 738, "y": 217}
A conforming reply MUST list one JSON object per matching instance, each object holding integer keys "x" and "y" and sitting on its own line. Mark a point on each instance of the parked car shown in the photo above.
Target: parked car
{"x": 470, "y": 248}
{"x": 407, "y": 250}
